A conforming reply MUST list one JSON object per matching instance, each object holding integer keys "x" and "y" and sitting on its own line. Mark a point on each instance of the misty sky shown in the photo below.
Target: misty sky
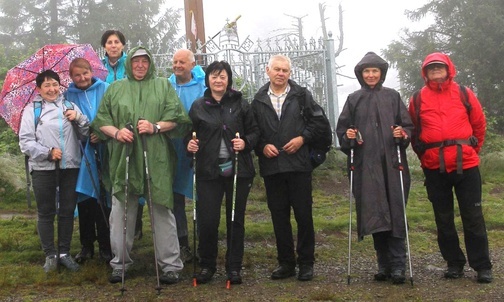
{"x": 368, "y": 25}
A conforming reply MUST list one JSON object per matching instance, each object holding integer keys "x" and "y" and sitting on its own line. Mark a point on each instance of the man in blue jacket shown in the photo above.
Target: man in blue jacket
{"x": 188, "y": 79}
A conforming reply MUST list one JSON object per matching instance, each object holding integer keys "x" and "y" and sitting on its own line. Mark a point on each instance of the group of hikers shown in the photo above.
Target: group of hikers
{"x": 112, "y": 146}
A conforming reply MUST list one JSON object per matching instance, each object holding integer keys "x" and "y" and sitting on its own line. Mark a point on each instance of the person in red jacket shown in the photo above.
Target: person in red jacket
{"x": 448, "y": 135}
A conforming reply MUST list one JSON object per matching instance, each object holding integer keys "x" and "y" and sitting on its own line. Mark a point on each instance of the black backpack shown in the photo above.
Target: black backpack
{"x": 316, "y": 119}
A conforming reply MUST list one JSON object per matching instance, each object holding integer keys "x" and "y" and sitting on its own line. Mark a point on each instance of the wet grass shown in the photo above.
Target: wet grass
{"x": 22, "y": 277}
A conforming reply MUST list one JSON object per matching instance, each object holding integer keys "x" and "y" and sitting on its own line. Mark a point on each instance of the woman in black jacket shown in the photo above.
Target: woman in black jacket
{"x": 217, "y": 117}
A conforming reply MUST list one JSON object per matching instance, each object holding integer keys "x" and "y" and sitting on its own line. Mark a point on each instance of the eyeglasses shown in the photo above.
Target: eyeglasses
{"x": 436, "y": 66}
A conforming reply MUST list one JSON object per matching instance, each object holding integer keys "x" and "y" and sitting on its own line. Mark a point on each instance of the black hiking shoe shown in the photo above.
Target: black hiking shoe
{"x": 485, "y": 276}
{"x": 186, "y": 255}
{"x": 68, "y": 262}
{"x": 305, "y": 272}
{"x": 116, "y": 276}
{"x": 85, "y": 254}
{"x": 454, "y": 272}
{"x": 234, "y": 277}
{"x": 283, "y": 271}
{"x": 398, "y": 276}
{"x": 382, "y": 275}
{"x": 106, "y": 255}
{"x": 169, "y": 278}
{"x": 205, "y": 275}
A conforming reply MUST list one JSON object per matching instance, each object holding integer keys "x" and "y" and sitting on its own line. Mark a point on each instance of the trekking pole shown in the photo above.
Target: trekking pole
{"x": 195, "y": 282}
{"x": 230, "y": 249}
{"x": 95, "y": 186}
{"x": 352, "y": 145}
{"x": 128, "y": 126}
{"x": 57, "y": 200}
{"x": 149, "y": 202}
{"x": 397, "y": 142}
{"x": 28, "y": 181}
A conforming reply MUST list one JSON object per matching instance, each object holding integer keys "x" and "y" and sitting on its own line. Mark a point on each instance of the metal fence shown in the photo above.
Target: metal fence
{"x": 313, "y": 64}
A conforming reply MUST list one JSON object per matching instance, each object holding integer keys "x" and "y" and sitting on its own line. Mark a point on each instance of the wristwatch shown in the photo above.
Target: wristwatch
{"x": 158, "y": 128}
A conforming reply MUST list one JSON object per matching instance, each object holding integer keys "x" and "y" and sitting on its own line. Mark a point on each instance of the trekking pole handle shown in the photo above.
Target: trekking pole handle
{"x": 397, "y": 140}
{"x": 237, "y": 135}
{"x": 129, "y": 126}
{"x": 352, "y": 140}
{"x": 144, "y": 139}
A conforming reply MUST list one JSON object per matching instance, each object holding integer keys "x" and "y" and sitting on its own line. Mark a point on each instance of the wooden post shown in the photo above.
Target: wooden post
{"x": 194, "y": 7}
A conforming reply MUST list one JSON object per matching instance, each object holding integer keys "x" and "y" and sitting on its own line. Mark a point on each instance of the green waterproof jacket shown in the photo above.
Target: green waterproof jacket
{"x": 153, "y": 99}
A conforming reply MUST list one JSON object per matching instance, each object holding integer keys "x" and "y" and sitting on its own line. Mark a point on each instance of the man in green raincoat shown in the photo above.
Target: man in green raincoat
{"x": 152, "y": 106}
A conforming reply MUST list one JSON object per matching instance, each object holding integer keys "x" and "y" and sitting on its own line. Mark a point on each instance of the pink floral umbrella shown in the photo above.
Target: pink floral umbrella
{"x": 19, "y": 85}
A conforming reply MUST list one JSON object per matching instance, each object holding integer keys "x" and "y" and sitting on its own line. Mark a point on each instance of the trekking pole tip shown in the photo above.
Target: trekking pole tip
{"x": 348, "y": 279}
{"x": 194, "y": 282}
{"x": 228, "y": 284}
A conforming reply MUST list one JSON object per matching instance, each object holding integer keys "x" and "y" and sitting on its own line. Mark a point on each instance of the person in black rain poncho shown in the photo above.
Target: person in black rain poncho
{"x": 376, "y": 119}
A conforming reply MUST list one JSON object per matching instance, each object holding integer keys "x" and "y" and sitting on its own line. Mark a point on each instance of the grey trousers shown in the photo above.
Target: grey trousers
{"x": 168, "y": 250}
{"x": 44, "y": 187}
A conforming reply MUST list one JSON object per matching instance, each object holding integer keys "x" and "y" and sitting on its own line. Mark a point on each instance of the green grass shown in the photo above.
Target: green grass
{"x": 21, "y": 258}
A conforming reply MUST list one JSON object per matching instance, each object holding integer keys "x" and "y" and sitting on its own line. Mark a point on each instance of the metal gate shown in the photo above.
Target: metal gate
{"x": 313, "y": 64}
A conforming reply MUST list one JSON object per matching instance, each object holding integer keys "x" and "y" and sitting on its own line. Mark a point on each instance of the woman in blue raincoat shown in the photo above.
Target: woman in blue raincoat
{"x": 86, "y": 91}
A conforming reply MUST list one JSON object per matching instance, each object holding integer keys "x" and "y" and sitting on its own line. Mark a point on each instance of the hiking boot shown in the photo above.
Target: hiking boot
{"x": 205, "y": 275}
{"x": 50, "y": 264}
{"x": 234, "y": 277}
{"x": 305, "y": 272}
{"x": 68, "y": 262}
{"x": 283, "y": 271}
{"x": 485, "y": 276}
{"x": 186, "y": 255}
{"x": 398, "y": 276}
{"x": 85, "y": 254}
{"x": 454, "y": 272}
{"x": 106, "y": 255}
{"x": 116, "y": 276}
{"x": 169, "y": 278}
{"x": 382, "y": 275}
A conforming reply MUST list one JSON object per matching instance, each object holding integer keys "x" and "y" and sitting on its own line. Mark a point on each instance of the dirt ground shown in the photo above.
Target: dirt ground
{"x": 329, "y": 284}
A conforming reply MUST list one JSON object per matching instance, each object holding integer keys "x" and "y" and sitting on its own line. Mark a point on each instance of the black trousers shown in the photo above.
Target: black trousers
{"x": 285, "y": 191}
{"x": 208, "y": 211}
{"x": 467, "y": 188}
{"x": 92, "y": 223}
{"x": 390, "y": 251}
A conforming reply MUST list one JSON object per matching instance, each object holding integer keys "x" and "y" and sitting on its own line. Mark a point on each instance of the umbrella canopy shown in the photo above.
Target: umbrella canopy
{"x": 19, "y": 85}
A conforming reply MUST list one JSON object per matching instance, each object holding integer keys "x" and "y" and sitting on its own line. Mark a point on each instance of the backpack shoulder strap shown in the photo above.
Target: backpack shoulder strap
{"x": 69, "y": 105}
{"x": 37, "y": 111}
{"x": 464, "y": 97}
{"x": 417, "y": 103}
